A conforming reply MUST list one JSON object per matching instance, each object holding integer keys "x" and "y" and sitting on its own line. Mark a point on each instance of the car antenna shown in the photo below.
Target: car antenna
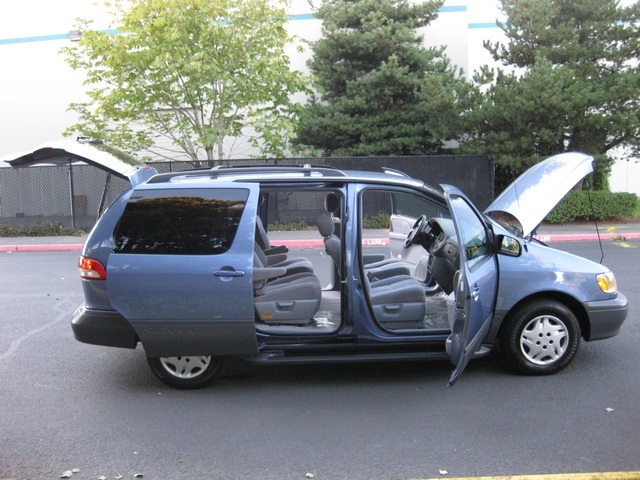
{"x": 595, "y": 220}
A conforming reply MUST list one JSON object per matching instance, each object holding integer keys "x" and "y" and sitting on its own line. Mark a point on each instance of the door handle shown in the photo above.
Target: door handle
{"x": 228, "y": 273}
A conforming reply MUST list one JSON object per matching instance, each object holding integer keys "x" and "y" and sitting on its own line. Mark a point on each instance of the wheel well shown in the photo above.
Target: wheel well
{"x": 574, "y": 305}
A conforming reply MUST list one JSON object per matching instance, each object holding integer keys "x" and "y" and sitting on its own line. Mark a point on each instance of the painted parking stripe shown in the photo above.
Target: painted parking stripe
{"x": 557, "y": 476}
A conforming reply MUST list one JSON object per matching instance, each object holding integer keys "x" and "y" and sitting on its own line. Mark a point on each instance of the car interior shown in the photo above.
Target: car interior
{"x": 299, "y": 290}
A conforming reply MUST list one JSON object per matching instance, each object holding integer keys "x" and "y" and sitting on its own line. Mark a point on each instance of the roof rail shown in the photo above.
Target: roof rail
{"x": 393, "y": 171}
{"x": 223, "y": 171}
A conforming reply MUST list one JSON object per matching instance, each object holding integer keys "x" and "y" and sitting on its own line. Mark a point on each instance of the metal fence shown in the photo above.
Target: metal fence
{"x": 72, "y": 195}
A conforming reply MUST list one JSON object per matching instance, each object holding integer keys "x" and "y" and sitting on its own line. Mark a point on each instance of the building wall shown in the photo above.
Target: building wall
{"x": 36, "y": 85}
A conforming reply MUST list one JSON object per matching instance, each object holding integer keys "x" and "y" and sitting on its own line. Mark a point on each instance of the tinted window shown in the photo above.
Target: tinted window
{"x": 198, "y": 222}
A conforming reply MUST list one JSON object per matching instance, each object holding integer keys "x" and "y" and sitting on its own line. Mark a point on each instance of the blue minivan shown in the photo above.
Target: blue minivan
{"x": 183, "y": 264}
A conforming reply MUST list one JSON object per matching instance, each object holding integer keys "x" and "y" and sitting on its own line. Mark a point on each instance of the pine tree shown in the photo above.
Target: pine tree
{"x": 570, "y": 82}
{"x": 379, "y": 90}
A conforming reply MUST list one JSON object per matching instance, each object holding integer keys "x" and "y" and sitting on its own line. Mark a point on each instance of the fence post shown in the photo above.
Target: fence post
{"x": 71, "y": 194}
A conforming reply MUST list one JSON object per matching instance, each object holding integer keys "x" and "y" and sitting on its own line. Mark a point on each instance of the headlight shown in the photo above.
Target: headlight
{"x": 607, "y": 282}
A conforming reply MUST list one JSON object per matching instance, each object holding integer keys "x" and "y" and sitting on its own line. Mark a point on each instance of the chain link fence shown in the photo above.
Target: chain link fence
{"x": 73, "y": 195}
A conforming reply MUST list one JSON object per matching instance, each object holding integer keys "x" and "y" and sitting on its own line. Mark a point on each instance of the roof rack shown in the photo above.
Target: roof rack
{"x": 224, "y": 171}
{"x": 393, "y": 171}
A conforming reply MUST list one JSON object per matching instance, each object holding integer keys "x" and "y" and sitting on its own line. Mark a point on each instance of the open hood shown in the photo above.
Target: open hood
{"x": 99, "y": 155}
{"x": 535, "y": 193}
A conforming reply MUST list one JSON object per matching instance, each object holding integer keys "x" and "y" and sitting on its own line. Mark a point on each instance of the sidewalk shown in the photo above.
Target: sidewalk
{"x": 574, "y": 232}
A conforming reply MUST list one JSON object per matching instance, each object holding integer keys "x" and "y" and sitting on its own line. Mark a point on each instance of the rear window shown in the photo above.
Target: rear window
{"x": 197, "y": 222}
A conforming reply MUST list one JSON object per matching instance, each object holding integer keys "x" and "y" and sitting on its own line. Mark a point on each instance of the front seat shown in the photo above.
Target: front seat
{"x": 375, "y": 271}
{"x": 285, "y": 300}
{"x": 398, "y": 302}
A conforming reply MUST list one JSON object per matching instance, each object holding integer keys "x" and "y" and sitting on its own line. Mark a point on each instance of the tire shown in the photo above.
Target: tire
{"x": 540, "y": 338}
{"x": 186, "y": 373}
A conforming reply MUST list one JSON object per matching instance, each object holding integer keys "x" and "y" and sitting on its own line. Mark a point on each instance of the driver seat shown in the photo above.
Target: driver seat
{"x": 375, "y": 271}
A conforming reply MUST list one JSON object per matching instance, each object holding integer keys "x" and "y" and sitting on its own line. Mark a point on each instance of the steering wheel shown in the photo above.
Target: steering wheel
{"x": 417, "y": 232}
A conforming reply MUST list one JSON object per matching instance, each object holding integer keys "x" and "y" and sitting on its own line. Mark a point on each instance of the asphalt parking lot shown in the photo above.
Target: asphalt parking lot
{"x": 68, "y": 405}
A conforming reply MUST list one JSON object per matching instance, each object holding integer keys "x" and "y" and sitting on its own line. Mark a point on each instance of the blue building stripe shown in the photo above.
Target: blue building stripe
{"x": 295, "y": 17}
{"x": 301, "y": 16}
{"x": 47, "y": 38}
{"x": 453, "y": 9}
{"x": 483, "y": 25}
{"x": 40, "y": 38}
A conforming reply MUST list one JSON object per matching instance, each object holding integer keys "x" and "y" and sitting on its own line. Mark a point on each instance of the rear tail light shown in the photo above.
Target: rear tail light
{"x": 91, "y": 269}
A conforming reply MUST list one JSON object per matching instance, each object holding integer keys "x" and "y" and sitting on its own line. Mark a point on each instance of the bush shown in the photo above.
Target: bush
{"x": 288, "y": 227}
{"x": 47, "y": 229}
{"x": 377, "y": 221}
{"x": 597, "y": 205}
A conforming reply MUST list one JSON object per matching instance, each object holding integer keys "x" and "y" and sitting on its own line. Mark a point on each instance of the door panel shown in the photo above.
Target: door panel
{"x": 399, "y": 228}
{"x": 181, "y": 271}
{"x": 478, "y": 281}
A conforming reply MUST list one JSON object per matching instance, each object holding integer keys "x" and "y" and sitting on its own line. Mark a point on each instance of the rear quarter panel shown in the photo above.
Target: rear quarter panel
{"x": 98, "y": 246}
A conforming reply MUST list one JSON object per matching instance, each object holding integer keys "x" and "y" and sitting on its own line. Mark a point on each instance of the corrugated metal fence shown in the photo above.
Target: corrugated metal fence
{"x": 72, "y": 195}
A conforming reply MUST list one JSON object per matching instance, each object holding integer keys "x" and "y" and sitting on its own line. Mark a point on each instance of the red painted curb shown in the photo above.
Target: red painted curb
{"x": 581, "y": 237}
{"x": 60, "y": 247}
{"x": 315, "y": 243}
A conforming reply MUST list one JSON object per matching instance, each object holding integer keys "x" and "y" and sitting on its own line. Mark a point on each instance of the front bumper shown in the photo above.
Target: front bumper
{"x": 103, "y": 327}
{"x": 606, "y": 317}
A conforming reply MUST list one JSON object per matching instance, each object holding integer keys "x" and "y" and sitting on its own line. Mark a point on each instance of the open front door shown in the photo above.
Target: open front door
{"x": 476, "y": 289}
{"x": 182, "y": 266}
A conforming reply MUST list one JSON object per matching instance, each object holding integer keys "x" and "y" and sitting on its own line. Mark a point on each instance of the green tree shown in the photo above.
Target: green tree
{"x": 189, "y": 73}
{"x": 379, "y": 91}
{"x": 571, "y": 82}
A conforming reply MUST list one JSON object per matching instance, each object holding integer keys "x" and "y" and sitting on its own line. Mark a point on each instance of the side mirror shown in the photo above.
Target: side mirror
{"x": 506, "y": 245}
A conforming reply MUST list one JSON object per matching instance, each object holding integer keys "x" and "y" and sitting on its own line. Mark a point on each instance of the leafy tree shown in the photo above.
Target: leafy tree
{"x": 571, "y": 82}
{"x": 379, "y": 90}
{"x": 191, "y": 71}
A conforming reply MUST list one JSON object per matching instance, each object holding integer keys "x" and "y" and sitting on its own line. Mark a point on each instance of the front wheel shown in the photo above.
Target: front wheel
{"x": 540, "y": 338}
{"x": 186, "y": 373}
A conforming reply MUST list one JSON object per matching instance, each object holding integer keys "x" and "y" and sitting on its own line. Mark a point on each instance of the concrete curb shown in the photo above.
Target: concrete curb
{"x": 316, "y": 243}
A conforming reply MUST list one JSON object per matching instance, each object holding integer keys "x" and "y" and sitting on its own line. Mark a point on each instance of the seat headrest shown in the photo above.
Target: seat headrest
{"x": 325, "y": 225}
{"x": 332, "y": 203}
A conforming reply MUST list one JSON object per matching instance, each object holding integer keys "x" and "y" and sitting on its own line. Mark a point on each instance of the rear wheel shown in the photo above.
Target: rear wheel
{"x": 186, "y": 373}
{"x": 540, "y": 338}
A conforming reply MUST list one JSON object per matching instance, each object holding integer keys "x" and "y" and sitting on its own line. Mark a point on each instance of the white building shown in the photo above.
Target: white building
{"x": 37, "y": 86}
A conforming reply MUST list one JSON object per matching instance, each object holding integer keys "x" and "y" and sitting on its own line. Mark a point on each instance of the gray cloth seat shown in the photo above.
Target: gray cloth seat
{"x": 332, "y": 207}
{"x": 375, "y": 271}
{"x": 291, "y": 265}
{"x": 331, "y": 241}
{"x": 398, "y": 302}
{"x": 281, "y": 299}
{"x": 262, "y": 239}
{"x": 390, "y": 267}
